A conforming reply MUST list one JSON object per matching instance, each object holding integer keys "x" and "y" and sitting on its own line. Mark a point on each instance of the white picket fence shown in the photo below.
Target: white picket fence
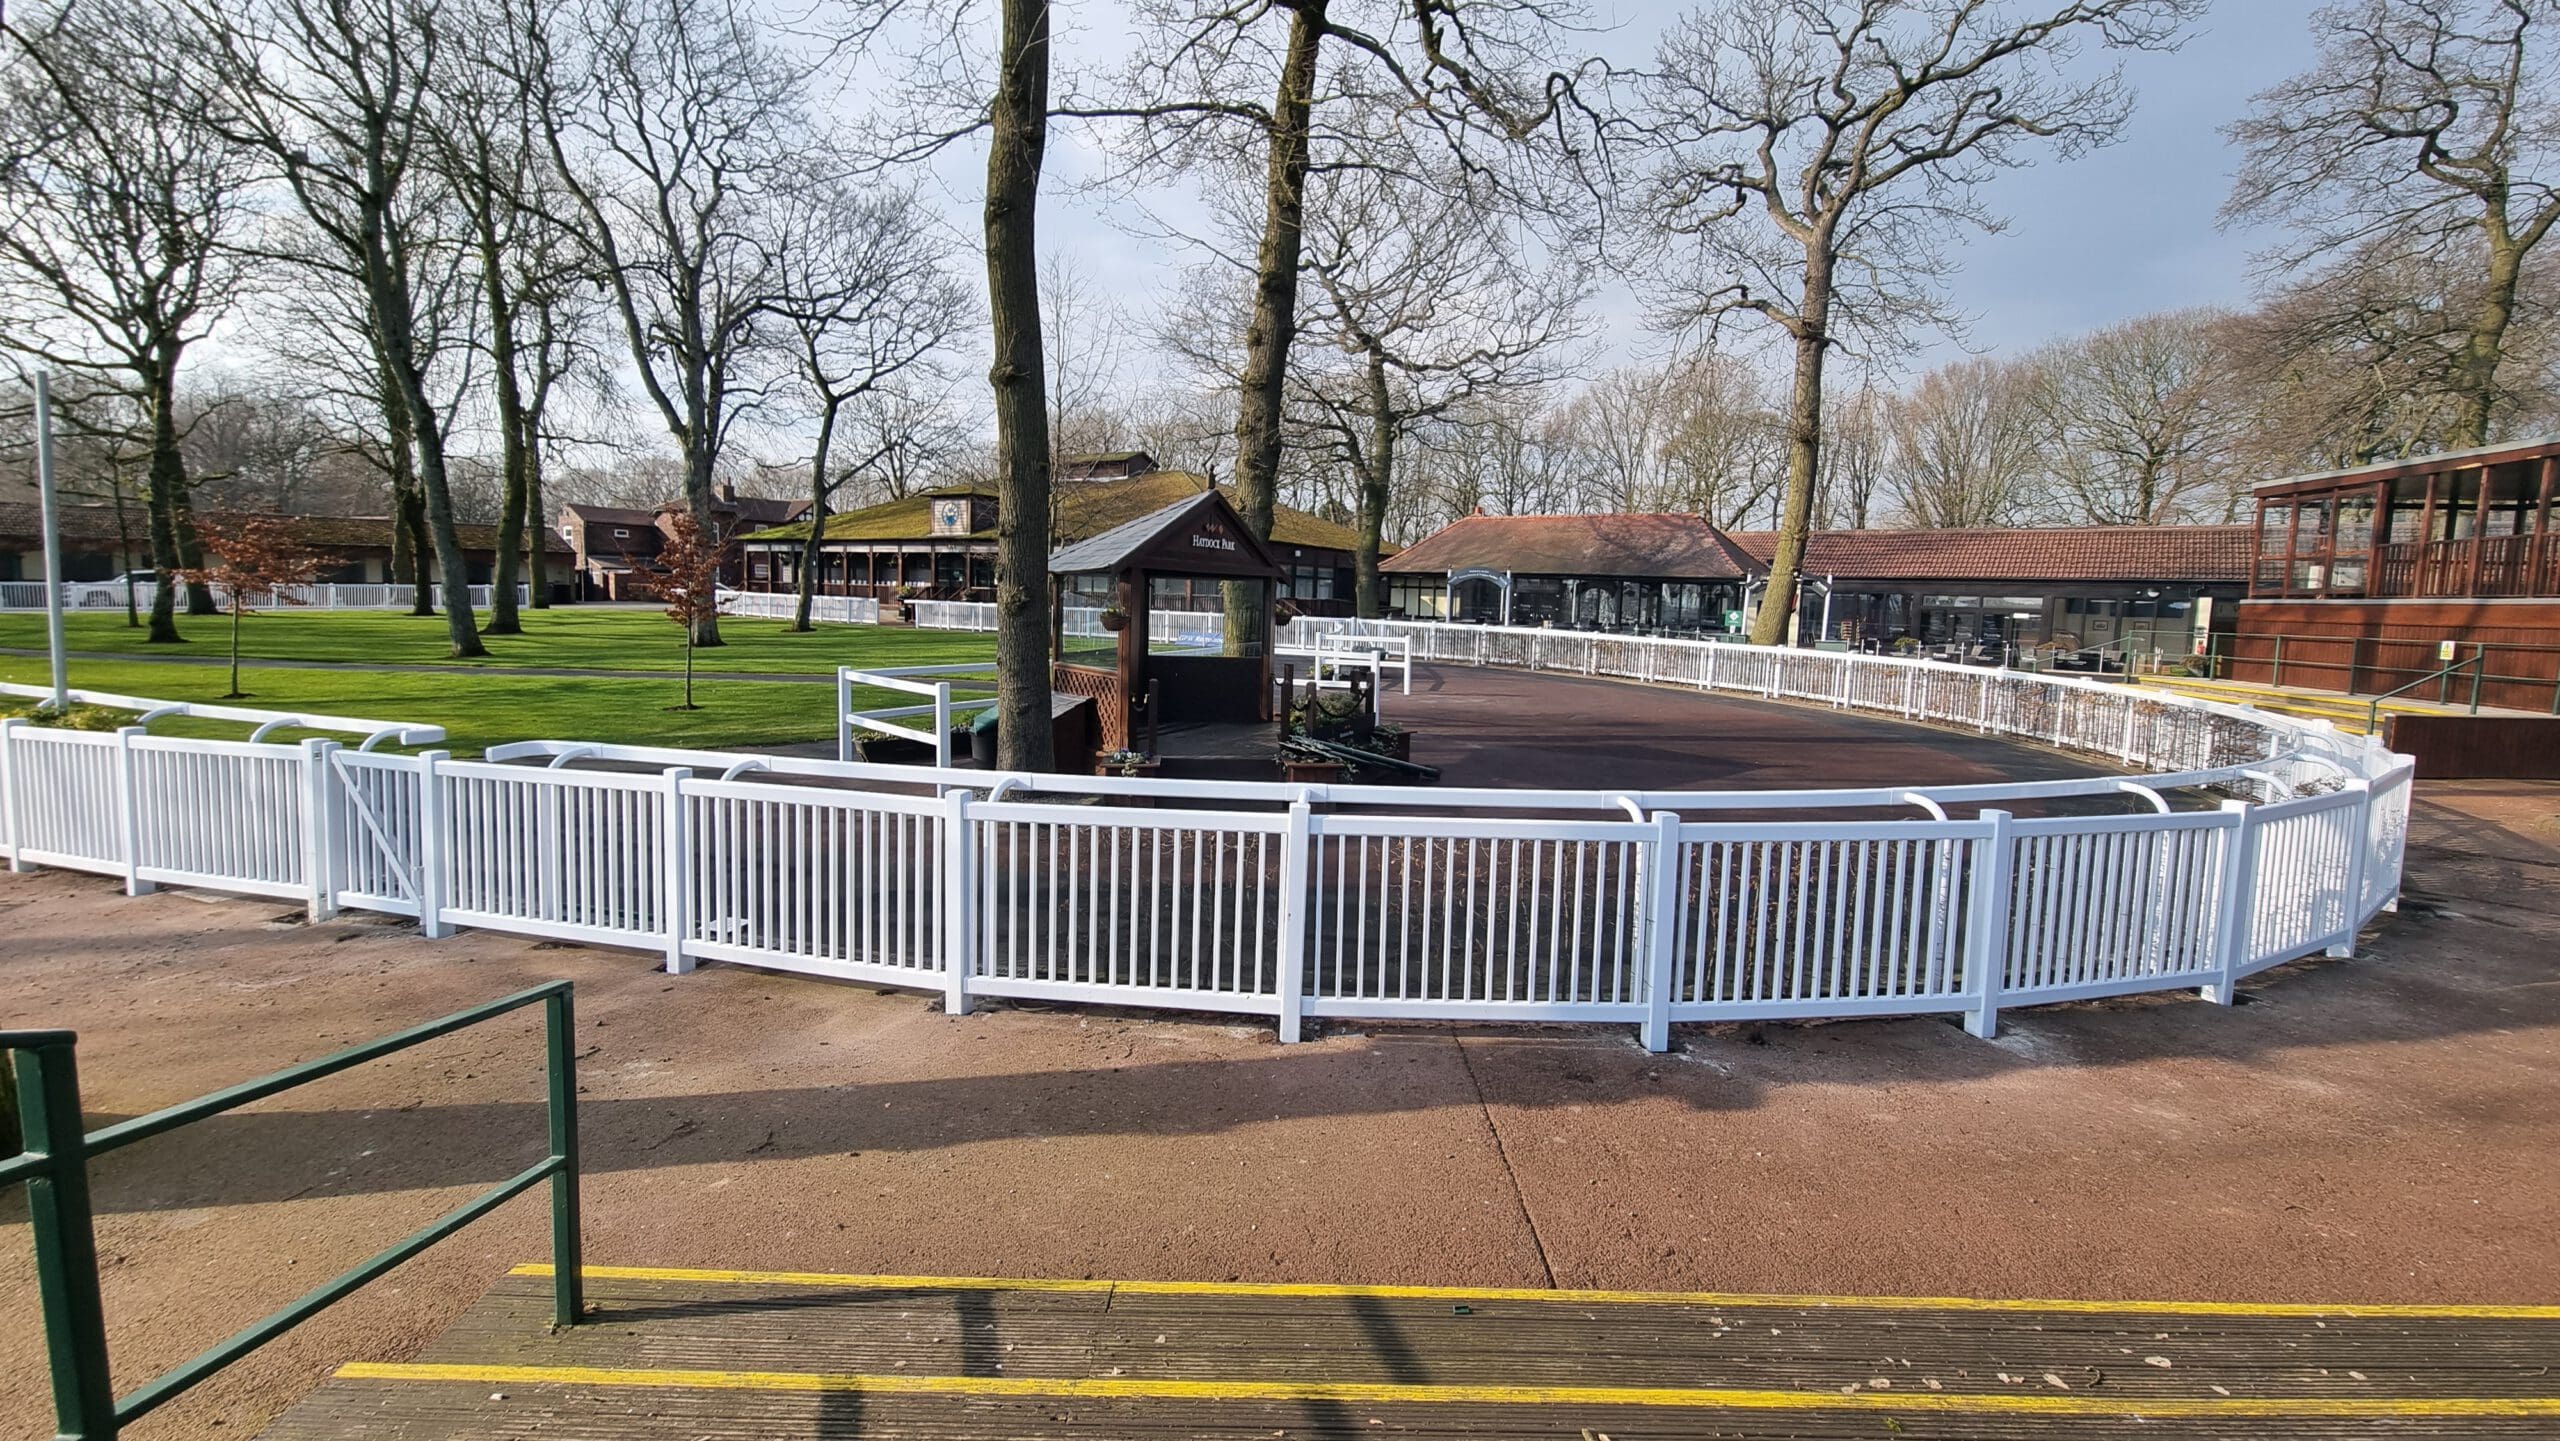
{"x": 1165, "y": 627}
{"x": 783, "y": 605}
{"x": 17, "y": 595}
{"x": 1265, "y": 899}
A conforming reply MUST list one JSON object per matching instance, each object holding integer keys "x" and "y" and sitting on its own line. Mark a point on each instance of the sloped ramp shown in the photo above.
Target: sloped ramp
{"x": 685, "y": 1355}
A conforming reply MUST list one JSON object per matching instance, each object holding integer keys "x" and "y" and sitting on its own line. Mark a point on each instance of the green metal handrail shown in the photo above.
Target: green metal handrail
{"x": 2475, "y": 665}
{"x": 55, "y": 1167}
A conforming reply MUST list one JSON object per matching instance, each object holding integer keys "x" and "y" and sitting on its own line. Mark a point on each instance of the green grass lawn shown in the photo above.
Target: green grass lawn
{"x": 478, "y": 702}
{"x": 581, "y": 636}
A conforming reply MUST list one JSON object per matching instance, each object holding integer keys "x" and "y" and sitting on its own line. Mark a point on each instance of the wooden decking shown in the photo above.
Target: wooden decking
{"x": 682, "y": 1355}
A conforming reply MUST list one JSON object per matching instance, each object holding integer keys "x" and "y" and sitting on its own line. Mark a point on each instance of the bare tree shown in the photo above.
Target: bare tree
{"x": 1085, "y": 333}
{"x": 1966, "y": 448}
{"x": 1857, "y": 450}
{"x": 1723, "y": 444}
{"x": 332, "y": 93}
{"x": 1426, "y": 298}
{"x": 1814, "y": 155}
{"x": 2138, "y": 418}
{"x": 676, "y": 127}
{"x": 2427, "y": 129}
{"x": 1467, "y": 71}
{"x": 118, "y": 220}
{"x": 867, "y": 301}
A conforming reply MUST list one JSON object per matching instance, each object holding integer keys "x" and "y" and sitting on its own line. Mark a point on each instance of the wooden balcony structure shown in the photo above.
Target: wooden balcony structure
{"x": 2469, "y": 525}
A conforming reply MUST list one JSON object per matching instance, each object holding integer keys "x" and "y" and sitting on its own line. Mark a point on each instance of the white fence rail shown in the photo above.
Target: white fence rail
{"x": 784, "y": 605}
{"x": 110, "y": 595}
{"x": 1643, "y": 909}
{"x": 1165, "y": 627}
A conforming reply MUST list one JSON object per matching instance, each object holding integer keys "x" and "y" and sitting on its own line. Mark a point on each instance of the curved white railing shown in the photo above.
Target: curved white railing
{"x": 2244, "y": 840}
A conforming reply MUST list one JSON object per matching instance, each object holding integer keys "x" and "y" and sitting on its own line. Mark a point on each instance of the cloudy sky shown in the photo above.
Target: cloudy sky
{"x": 2121, "y": 232}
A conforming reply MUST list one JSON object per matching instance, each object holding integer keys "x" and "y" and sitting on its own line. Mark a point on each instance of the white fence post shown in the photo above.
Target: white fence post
{"x": 2231, "y": 917}
{"x": 129, "y": 812}
{"x": 676, "y": 885}
{"x": 677, "y": 871}
{"x": 1290, "y": 965}
{"x": 320, "y": 846}
{"x": 941, "y": 725}
{"x": 959, "y": 911}
{"x": 432, "y": 845}
{"x": 844, "y": 711}
{"x": 9, "y": 799}
{"x": 2356, "y": 848}
{"x": 1662, "y": 927}
{"x": 1986, "y": 957}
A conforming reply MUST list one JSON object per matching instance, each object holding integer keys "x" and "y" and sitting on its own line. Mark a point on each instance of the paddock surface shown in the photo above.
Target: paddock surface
{"x": 2377, "y": 1130}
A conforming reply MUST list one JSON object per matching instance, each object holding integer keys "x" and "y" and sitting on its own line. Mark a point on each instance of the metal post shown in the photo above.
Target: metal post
{"x": 1661, "y": 928}
{"x": 1290, "y": 977}
{"x": 2275, "y": 673}
{"x": 2231, "y": 918}
{"x": 568, "y": 1279}
{"x": 2479, "y": 668}
{"x": 676, "y": 868}
{"x": 1987, "y": 934}
{"x": 52, "y": 523}
{"x": 75, "y": 1325}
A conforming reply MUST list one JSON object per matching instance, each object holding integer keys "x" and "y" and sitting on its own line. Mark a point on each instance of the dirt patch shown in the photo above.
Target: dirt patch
{"x": 2375, "y": 1129}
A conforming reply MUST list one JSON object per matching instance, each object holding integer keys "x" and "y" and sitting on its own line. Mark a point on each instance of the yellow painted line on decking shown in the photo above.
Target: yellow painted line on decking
{"x": 1390, "y": 1393}
{"x": 2312, "y": 1310}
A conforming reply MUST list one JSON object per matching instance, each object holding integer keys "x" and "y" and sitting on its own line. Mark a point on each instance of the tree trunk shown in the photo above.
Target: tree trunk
{"x": 2476, "y": 369}
{"x": 811, "y": 549}
{"x": 395, "y": 327}
{"x": 537, "y": 534}
{"x": 1804, "y": 454}
{"x": 698, "y": 493}
{"x": 1377, "y": 479}
{"x": 182, "y": 511}
{"x": 511, "y": 433}
{"x": 409, "y": 544}
{"x": 167, "y": 488}
{"x": 1019, "y": 135}
{"x": 1261, "y": 400}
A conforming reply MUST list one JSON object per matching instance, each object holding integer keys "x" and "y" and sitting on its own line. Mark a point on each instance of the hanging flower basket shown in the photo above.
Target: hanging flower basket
{"x": 1115, "y": 620}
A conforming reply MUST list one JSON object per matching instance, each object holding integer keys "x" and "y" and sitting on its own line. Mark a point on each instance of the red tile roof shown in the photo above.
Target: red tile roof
{"x": 2100, "y": 553}
{"x": 1671, "y": 547}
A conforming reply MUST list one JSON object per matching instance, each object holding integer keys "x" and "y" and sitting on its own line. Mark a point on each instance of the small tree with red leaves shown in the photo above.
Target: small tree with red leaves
{"x": 686, "y": 576}
{"x": 253, "y": 558}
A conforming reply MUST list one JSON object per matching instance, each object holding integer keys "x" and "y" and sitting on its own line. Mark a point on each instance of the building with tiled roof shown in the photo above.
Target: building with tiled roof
{"x": 2201, "y": 554}
{"x": 941, "y": 544}
{"x": 99, "y": 545}
{"x": 2149, "y": 587}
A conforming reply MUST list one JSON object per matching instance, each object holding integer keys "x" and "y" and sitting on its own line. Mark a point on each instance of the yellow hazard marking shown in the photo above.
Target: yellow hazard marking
{"x": 1392, "y": 1393}
{"x": 1498, "y": 1293}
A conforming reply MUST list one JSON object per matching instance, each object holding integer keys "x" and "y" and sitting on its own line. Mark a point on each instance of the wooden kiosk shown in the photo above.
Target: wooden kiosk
{"x": 1139, "y": 680}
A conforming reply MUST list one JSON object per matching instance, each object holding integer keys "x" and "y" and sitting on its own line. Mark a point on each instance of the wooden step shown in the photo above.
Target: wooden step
{"x": 737, "y": 1354}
